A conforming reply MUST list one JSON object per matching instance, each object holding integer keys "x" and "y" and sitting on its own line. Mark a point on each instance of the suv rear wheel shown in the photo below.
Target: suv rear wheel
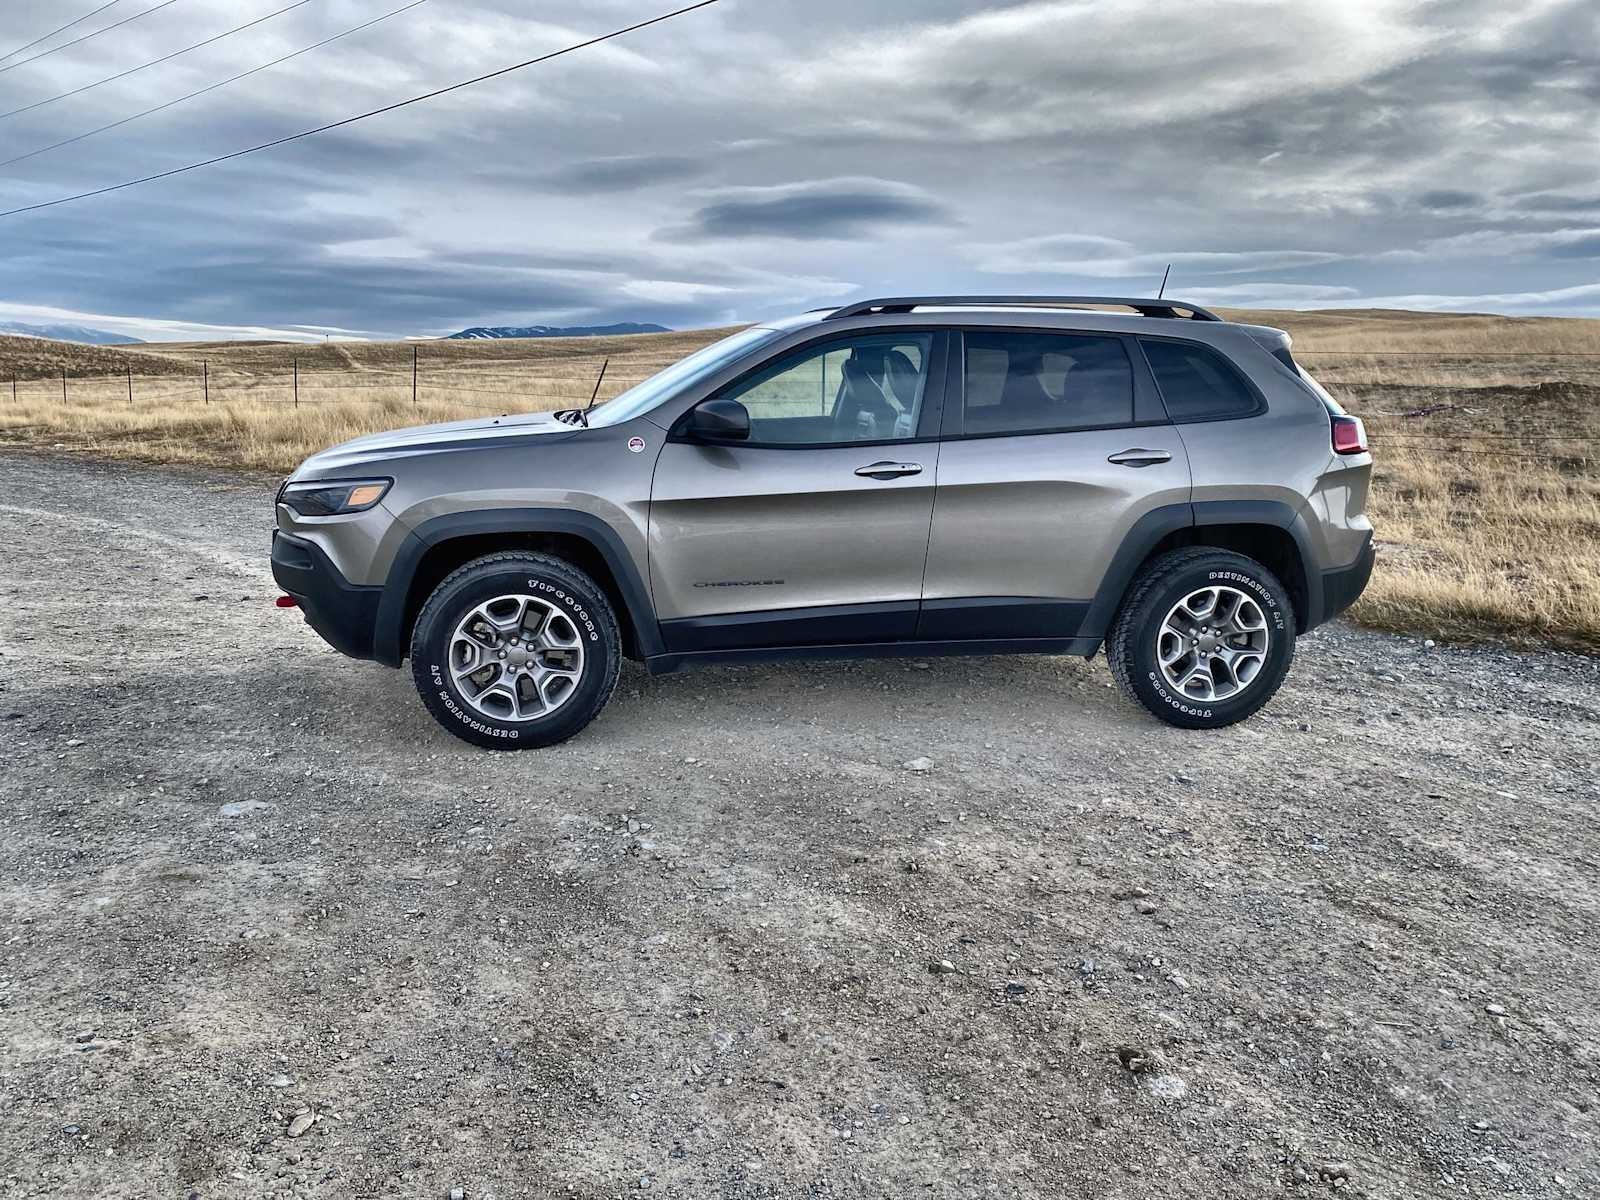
{"x": 1204, "y": 637}
{"x": 515, "y": 651}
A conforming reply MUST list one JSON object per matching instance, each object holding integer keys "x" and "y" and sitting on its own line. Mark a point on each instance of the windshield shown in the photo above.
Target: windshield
{"x": 641, "y": 398}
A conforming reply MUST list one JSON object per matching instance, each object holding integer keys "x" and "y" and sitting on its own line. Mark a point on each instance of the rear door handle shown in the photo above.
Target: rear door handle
{"x": 1140, "y": 458}
{"x": 889, "y": 470}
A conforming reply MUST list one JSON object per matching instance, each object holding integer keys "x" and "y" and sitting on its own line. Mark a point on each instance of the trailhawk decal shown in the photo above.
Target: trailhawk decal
{"x": 579, "y": 615}
{"x": 636, "y": 444}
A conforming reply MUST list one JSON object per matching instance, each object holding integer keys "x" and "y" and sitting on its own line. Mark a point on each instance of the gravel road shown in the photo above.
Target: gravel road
{"x": 966, "y": 928}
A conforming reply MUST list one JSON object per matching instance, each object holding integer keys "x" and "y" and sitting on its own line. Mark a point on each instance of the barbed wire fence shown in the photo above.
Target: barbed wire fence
{"x": 546, "y": 383}
{"x": 295, "y": 383}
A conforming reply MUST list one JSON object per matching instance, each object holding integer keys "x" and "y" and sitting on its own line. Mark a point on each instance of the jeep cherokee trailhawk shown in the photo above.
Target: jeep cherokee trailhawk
{"x": 912, "y": 476}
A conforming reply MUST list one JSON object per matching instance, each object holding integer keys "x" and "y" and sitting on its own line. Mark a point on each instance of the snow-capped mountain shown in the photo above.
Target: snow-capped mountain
{"x": 68, "y": 333}
{"x": 538, "y": 331}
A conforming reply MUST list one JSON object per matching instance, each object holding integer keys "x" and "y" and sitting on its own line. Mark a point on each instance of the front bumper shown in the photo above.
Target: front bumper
{"x": 1343, "y": 587}
{"x": 343, "y": 614}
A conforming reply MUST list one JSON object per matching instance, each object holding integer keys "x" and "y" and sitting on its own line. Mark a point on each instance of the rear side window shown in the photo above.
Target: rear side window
{"x": 1045, "y": 382}
{"x": 1197, "y": 383}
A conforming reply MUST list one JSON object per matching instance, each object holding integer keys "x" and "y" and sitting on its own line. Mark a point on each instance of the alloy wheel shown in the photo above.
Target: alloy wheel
{"x": 1213, "y": 644}
{"x": 516, "y": 658}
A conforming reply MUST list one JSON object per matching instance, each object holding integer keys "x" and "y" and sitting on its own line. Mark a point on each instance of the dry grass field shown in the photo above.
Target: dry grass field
{"x": 1486, "y": 432}
{"x": 253, "y": 419}
{"x": 1486, "y": 440}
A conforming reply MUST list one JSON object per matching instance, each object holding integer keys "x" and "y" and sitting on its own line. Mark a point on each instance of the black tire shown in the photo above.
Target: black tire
{"x": 1131, "y": 648}
{"x": 555, "y": 582}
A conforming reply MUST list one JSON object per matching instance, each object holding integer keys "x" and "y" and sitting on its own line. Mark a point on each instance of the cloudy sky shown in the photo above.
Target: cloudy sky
{"x": 763, "y": 156}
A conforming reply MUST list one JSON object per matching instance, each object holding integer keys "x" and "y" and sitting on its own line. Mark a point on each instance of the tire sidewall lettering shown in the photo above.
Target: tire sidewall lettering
{"x": 1256, "y": 587}
{"x": 571, "y": 603}
{"x": 460, "y": 714}
{"x": 1168, "y": 698}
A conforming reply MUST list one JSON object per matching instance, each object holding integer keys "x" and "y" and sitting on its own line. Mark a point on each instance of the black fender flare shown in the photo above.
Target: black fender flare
{"x": 1156, "y": 524}
{"x": 389, "y": 637}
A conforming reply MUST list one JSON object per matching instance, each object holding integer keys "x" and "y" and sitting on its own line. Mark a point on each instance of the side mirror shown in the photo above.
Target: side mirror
{"x": 720, "y": 421}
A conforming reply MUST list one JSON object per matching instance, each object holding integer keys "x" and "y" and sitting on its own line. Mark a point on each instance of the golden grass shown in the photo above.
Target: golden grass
{"x": 1487, "y": 504}
{"x": 345, "y": 390}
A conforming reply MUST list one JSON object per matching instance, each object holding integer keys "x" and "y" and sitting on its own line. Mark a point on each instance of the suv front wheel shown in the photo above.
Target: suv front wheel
{"x": 1204, "y": 637}
{"x": 515, "y": 651}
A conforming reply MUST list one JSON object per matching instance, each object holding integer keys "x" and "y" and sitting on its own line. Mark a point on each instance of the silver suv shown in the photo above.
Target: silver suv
{"x": 909, "y": 476}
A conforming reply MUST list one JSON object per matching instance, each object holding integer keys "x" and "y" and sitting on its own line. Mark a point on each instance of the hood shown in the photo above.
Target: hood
{"x": 447, "y": 436}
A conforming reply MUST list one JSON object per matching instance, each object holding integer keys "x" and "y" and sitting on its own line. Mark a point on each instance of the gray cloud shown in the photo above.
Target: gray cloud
{"x": 825, "y": 209}
{"x": 1069, "y": 254}
{"x": 1555, "y": 202}
{"x": 735, "y": 164}
{"x": 1446, "y": 198}
{"x": 620, "y": 174}
{"x": 1585, "y": 246}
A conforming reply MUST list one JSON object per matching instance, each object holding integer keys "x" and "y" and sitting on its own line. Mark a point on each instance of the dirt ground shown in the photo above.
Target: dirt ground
{"x": 270, "y": 932}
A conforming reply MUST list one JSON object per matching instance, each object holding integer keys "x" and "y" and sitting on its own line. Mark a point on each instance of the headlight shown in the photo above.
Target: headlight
{"x": 325, "y": 498}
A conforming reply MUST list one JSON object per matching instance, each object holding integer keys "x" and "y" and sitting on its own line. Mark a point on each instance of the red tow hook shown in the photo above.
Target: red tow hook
{"x": 287, "y": 602}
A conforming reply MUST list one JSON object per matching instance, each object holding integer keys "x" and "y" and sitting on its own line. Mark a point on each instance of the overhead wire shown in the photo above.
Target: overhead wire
{"x": 78, "y": 41}
{"x": 154, "y": 62}
{"x": 212, "y": 87}
{"x": 387, "y": 108}
{"x": 45, "y": 37}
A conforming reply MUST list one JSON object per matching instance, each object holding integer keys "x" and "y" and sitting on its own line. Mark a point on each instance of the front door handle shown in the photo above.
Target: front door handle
{"x": 889, "y": 470}
{"x": 1140, "y": 458}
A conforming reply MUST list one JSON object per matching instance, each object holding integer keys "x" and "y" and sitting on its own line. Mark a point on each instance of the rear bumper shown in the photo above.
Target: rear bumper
{"x": 1342, "y": 587}
{"x": 343, "y": 614}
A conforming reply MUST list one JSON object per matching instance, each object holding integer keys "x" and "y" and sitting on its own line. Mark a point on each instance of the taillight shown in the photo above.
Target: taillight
{"x": 1349, "y": 435}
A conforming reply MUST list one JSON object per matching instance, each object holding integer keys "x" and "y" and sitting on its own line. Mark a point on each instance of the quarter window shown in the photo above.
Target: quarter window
{"x": 862, "y": 389}
{"x": 1196, "y": 383}
{"x": 1045, "y": 382}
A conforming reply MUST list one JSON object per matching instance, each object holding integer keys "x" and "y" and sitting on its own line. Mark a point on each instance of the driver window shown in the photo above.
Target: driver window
{"x": 863, "y": 389}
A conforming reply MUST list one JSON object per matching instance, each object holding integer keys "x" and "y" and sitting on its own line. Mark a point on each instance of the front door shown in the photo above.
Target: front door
{"x": 814, "y": 531}
{"x": 1056, "y": 453}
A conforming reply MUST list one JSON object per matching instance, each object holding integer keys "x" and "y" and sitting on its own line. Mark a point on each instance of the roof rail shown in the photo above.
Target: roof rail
{"x": 904, "y": 304}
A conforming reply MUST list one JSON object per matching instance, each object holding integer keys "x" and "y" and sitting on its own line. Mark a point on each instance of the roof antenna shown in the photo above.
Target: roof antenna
{"x": 1162, "y": 293}
{"x": 595, "y": 395}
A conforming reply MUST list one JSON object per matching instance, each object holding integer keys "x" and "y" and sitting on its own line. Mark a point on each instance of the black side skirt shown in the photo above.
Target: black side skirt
{"x": 968, "y": 618}
{"x": 662, "y": 664}
{"x": 970, "y": 625}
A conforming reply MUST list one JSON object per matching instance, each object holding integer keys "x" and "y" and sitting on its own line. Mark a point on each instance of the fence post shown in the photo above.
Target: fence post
{"x": 297, "y": 381}
{"x": 413, "y": 375}
{"x": 130, "y": 383}
{"x": 205, "y": 379}
{"x": 13, "y": 387}
{"x": 63, "y": 385}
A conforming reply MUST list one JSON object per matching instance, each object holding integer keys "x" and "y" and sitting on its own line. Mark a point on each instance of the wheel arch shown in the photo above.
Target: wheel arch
{"x": 437, "y": 547}
{"x": 1269, "y": 531}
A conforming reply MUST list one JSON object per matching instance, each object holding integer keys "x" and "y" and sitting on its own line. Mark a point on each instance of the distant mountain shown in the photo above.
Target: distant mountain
{"x": 533, "y": 331}
{"x": 69, "y": 333}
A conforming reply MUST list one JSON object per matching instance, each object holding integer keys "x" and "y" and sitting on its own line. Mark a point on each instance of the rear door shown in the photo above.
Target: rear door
{"x": 1056, "y": 445}
{"x": 815, "y": 529}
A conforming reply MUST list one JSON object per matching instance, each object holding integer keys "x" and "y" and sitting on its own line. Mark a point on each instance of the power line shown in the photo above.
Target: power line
{"x": 46, "y": 37}
{"x": 87, "y": 36}
{"x": 154, "y": 62}
{"x": 212, "y": 87}
{"x": 388, "y": 108}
